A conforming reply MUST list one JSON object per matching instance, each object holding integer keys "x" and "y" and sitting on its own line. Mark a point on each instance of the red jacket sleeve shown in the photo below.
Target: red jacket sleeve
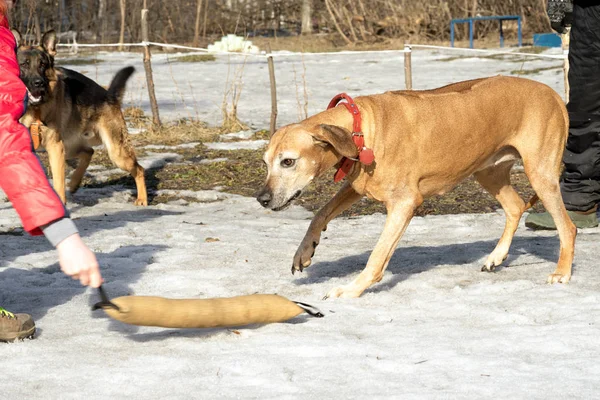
{"x": 21, "y": 175}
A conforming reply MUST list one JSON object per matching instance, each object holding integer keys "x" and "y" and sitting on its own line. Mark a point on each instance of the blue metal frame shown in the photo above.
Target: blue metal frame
{"x": 471, "y": 21}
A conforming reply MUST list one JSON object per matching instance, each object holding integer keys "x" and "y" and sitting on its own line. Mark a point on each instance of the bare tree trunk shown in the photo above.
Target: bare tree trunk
{"x": 361, "y": 26}
{"x": 103, "y": 21}
{"x": 366, "y": 23}
{"x": 122, "y": 33}
{"x": 306, "y": 17}
{"x": 197, "y": 27}
{"x": 349, "y": 20}
{"x": 466, "y": 26}
{"x": 205, "y": 20}
{"x": 37, "y": 27}
{"x": 337, "y": 26}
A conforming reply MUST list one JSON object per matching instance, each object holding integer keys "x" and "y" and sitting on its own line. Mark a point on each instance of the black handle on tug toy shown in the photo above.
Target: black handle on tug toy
{"x": 202, "y": 313}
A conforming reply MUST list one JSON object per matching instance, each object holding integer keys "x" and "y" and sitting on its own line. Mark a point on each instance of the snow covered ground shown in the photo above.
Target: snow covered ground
{"x": 434, "y": 327}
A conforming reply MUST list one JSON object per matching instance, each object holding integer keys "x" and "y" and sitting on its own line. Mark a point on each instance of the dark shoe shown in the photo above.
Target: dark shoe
{"x": 587, "y": 219}
{"x": 15, "y": 326}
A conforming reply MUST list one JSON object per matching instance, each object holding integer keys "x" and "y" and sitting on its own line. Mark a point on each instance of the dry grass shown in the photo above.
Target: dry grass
{"x": 81, "y": 61}
{"x": 196, "y": 58}
{"x": 183, "y": 131}
{"x": 333, "y": 43}
{"x": 535, "y": 71}
{"x": 243, "y": 173}
{"x": 135, "y": 117}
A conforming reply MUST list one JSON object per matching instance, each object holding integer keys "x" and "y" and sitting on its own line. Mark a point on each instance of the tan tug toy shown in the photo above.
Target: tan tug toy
{"x": 202, "y": 313}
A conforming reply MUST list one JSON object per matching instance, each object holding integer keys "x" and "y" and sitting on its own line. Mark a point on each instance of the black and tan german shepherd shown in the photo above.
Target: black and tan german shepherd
{"x": 76, "y": 113}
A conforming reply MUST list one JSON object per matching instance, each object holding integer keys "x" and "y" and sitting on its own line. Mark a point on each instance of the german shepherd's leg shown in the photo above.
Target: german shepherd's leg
{"x": 399, "y": 215}
{"x": 121, "y": 153}
{"x": 56, "y": 156}
{"x": 343, "y": 199}
{"x": 85, "y": 156}
{"x": 496, "y": 180}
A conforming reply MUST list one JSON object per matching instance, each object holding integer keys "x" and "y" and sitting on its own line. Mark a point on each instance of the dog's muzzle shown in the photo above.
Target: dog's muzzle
{"x": 265, "y": 198}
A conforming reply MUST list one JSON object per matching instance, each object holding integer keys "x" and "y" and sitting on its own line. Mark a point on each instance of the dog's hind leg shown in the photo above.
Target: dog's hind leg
{"x": 544, "y": 178}
{"x": 343, "y": 200}
{"x": 496, "y": 180}
{"x": 85, "y": 156}
{"x": 56, "y": 157}
{"x": 121, "y": 153}
{"x": 399, "y": 215}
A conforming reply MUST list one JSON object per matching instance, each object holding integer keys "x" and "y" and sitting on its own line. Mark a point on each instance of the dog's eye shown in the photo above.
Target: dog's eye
{"x": 288, "y": 162}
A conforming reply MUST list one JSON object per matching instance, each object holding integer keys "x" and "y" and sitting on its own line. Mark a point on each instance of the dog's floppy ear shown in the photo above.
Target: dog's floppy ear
{"x": 49, "y": 42}
{"x": 339, "y": 138}
{"x": 18, "y": 37}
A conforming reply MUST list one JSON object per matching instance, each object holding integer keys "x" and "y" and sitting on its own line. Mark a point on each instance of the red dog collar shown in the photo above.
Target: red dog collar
{"x": 365, "y": 155}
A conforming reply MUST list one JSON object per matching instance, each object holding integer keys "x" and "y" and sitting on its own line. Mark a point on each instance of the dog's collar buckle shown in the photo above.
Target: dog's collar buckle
{"x": 365, "y": 155}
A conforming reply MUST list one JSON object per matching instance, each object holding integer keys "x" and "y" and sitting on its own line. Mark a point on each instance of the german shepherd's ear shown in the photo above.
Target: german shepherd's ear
{"x": 339, "y": 138}
{"x": 49, "y": 42}
{"x": 18, "y": 37}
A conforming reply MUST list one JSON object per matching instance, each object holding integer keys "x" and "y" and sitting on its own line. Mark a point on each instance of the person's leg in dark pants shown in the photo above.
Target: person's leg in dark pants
{"x": 580, "y": 183}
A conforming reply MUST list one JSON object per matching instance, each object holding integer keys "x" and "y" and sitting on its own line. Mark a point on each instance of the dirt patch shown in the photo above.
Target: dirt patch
{"x": 243, "y": 172}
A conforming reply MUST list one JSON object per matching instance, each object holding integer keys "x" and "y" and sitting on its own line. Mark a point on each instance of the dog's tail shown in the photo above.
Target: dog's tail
{"x": 534, "y": 199}
{"x": 116, "y": 90}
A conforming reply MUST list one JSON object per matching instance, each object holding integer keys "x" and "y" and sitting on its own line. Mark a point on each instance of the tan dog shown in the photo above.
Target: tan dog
{"x": 425, "y": 143}
{"x": 77, "y": 114}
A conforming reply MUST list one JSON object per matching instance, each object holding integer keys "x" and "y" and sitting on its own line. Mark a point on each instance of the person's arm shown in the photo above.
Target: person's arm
{"x": 560, "y": 13}
{"x": 24, "y": 181}
{"x": 21, "y": 175}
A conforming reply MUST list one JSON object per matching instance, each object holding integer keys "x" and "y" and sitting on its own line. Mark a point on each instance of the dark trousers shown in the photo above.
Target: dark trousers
{"x": 580, "y": 184}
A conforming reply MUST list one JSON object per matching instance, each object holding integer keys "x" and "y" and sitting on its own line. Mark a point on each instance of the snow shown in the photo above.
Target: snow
{"x": 434, "y": 327}
{"x": 247, "y": 145}
{"x": 195, "y": 90}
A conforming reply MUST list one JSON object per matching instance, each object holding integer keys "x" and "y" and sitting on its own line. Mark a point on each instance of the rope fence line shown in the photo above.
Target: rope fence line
{"x": 265, "y": 55}
{"x": 491, "y": 52}
{"x": 269, "y": 56}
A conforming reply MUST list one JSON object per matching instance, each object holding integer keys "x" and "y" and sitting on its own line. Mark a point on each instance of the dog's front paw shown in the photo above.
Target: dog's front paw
{"x": 141, "y": 202}
{"x": 346, "y": 291}
{"x": 558, "y": 278}
{"x": 493, "y": 261}
{"x": 304, "y": 254}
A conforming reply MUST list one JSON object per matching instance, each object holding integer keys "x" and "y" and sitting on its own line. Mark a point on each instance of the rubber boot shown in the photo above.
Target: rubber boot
{"x": 581, "y": 219}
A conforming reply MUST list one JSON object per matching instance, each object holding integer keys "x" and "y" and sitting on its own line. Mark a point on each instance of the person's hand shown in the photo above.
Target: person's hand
{"x": 78, "y": 261}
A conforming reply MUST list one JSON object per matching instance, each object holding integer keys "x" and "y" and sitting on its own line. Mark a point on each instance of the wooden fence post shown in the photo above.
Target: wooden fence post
{"x": 148, "y": 68}
{"x": 273, "y": 90}
{"x": 122, "y": 31}
{"x": 565, "y": 39}
{"x": 408, "y": 67}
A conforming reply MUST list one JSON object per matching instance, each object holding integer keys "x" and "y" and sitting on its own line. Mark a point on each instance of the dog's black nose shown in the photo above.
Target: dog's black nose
{"x": 264, "y": 197}
{"x": 38, "y": 82}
